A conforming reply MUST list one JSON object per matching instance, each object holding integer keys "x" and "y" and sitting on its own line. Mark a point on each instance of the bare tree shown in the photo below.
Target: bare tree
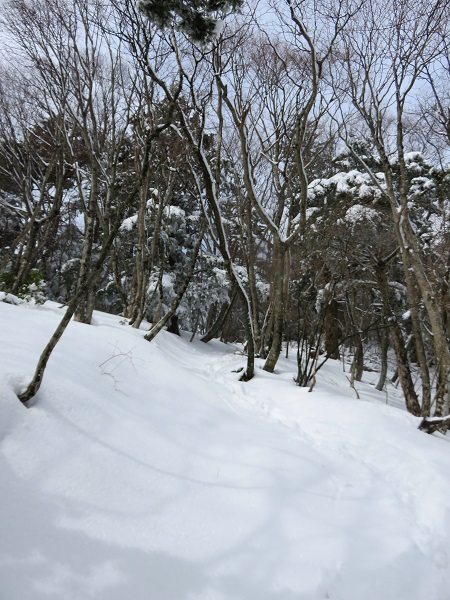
{"x": 274, "y": 90}
{"x": 81, "y": 73}
{"x": 387, "y": 51}
{"x": 32, "y": 167}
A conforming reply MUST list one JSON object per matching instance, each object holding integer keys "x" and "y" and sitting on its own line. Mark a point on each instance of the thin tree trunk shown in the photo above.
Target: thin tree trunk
{"x": 222, "y": 317}
{"x": 358, "y": 357}
{"x": 36, "y": 381}
{"x": 414, "y": 302}
{"x": 138, "y": 287}
{"x": 176, "y": 302}
{"x": 278, "y": 307}
{"x": 118, "y": 279}
{"x": 384, "y": 358}
{"x": 251, "y": 256}
{"x": 332, "y": 330}
{"x": 401, "y": 353}
{"x": 266, "y": 331}
{"x": 82, "y": 312}
{"x": 194, "y": 331}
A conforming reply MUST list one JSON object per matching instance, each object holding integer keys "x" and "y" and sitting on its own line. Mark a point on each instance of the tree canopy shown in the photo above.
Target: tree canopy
{"x": 197, "y": 18}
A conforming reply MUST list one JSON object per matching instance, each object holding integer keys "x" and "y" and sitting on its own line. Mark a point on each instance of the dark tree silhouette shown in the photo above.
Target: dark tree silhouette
{"x": 195, "y": 17}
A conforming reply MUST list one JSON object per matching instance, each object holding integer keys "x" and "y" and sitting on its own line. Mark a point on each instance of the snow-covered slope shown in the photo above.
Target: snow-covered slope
{"x": 149, "y": 472}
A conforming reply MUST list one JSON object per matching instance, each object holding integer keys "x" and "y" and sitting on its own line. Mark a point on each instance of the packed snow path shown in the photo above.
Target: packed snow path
{"x": 148, "y": 471}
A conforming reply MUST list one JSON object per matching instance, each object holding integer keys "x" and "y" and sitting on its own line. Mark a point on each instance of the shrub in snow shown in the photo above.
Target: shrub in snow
{"x": 32, "y": 291}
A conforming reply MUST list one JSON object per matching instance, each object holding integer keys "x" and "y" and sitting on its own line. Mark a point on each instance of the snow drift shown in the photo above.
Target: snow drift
{"x": 148, "y": 471}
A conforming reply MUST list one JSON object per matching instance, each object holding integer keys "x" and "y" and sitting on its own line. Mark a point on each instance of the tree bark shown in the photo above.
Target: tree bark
{"x": 332, "y": 330}
{"x": 430, "y": 425}
{"x": 401, "y": 353}
{"x": 36, "y": 381}
{"x": 82, "y": 311}
{"x": 278, "y": 283}
{"x": 222, "y": 317}
{"x": 176, "y": 302}
{"x": 358, "y": 358}
{"x": 384, "y": 347}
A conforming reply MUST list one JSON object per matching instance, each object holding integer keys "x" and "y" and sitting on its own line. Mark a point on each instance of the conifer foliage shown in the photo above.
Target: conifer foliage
{"x": 197, "y": 18}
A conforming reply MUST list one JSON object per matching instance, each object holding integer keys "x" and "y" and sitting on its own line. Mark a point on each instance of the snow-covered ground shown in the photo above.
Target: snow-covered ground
{"x": 149, "y": 472}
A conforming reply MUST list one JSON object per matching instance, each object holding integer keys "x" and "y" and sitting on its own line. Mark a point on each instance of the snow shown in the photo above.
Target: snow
{"x": 218, "y": 28}
{"x": 129, "y": 223}
{"x": 221, "y": 276}
{"x": 353, "y": 181}
{"x": 10, "y": 298}
{"x": 174, "y": 211}
{"x": 167, "y": 282}
{"x": 147, "y": 470}
{"x": 421, "y": 183}
{"x": 414, "y": 157}
{"x": 359, "y": 213}
{"x": 70, "y": 264}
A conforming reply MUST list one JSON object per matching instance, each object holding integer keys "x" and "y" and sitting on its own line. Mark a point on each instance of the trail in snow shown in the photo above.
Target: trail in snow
{"x": 405, "y": 469}
{"x": 157, "y": 475}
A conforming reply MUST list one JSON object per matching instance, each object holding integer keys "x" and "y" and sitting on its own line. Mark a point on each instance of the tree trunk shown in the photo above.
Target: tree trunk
{"x": 384, "y": 358}
{"x": 36, "y": 381}
{"x": 414, "y": 302}
{"x": 222, "y": 317}
{"x": 441, "y": 424}
{"x": 118, "y": 280}
{"x": 278, "y": 284}
{"x": 358, "y": 358}
{"x": 251, "y": 256}
{"x": 332, "y": 330}
{"x": 82, "y": 311}
{"x": 401, "y": 353}
{"x": 173, "y": 326}
{"x": 176, "y": 302}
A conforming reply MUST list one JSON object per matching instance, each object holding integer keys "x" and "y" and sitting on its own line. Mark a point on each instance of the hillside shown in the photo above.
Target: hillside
{"x": 148, "y": 471}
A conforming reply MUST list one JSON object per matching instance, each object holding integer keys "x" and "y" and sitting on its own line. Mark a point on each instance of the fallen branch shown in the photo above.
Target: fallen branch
{"x": 432, "y": 424}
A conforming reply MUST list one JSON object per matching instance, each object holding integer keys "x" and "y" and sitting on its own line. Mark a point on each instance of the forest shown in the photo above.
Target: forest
{"x": 271, "y": 173}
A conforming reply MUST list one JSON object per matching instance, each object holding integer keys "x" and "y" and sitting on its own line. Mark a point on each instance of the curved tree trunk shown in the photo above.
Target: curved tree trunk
{"x": 222, "y": 317}
{"x": 36, "y": 381}
{"x": 176, "y": 302}
{"x": 93, "y": 275}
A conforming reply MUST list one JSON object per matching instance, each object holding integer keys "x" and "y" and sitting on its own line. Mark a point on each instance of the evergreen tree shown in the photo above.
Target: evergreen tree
{"x": 194, "y": 17}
